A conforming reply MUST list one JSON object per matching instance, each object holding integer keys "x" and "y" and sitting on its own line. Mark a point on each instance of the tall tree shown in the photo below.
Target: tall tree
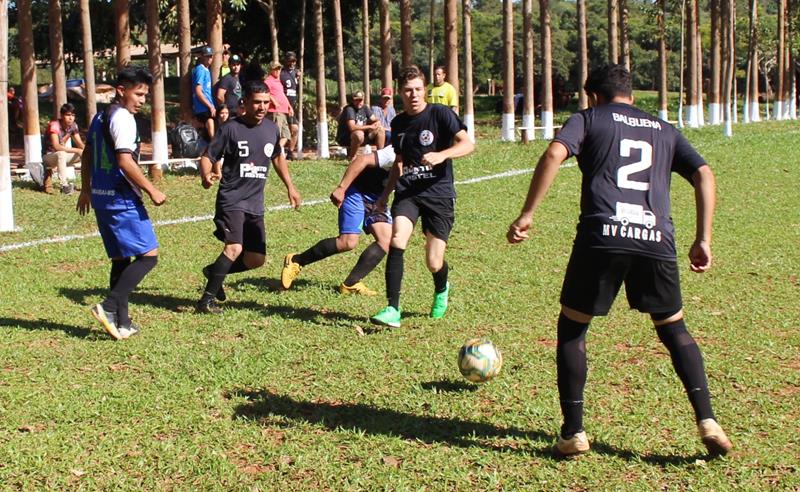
{"x": 88, "y": 61}
{"x": 451, "y": 42}
{"x": 431, "y": 41}
{"x": 715, "y": 82}
{"x": 185, "y": 59}
{"x": 663, "y": 102}
{"x": 691, "y": 55}
{"x": 682, "y": 70}
{"x": 624, "y": 35}
{"x": 613, "y": 31}
{"x": 158, "y": 119}
{"x": 32, "y": 136}
{"x": 583, "y": 54}
{"x": 547, "y": 70}
{"x": 729, "y": 63}
{"x": 273, "y": 30}
{"x": 122, "y": 33}
{"x": 508, "y": 71}
{"x": 405, "y": 31}
{"x": 752, "y": 111}
{"x": 339, "y": 41}
{"x": 528, "y": 116}
{"x": 6, "y": 202}
{"x": 386, "y": 44}
{"x": 57, "y": 55}
{"x": 365, "y": 45}
{"x": 469, "y": 110}
{"x": 781, "y": 67}
{"x": 698, "y": 103}
{"x": 214, "y": 27}
{"x": 322, "y": 114}
{"x": 301, "y": 85}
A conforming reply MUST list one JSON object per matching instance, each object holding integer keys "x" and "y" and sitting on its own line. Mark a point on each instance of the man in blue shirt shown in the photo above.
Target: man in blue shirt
{"x": 112, "y": 185}
{"x": 202, "y": 101}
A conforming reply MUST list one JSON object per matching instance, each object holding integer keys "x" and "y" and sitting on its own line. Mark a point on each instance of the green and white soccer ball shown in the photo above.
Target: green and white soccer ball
{"x": 479, "y": 360}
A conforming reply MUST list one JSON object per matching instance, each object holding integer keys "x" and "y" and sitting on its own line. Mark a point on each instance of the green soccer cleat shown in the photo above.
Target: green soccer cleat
{"x": 389, "y": 316}
{"x": 439, "y": 306}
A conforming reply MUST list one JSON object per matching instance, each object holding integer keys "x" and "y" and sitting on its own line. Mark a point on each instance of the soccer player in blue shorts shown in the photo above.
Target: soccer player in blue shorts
{"x": 112, "y": 184}
{"x": 359, "y": 189}
{"x": 625, "y": 235}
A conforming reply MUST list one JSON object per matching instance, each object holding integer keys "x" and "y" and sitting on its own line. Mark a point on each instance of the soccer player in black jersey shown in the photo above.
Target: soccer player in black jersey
{"x": 426, "y": 138}
{"x": 625, "y": 234}
{"x": 246, "y": 145}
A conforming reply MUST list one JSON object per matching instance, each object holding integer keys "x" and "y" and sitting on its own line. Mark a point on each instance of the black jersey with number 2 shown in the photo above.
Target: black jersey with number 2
{"x": 248, "y": 152}
{"x": 626, "y": 157}
{"x": 431, "y": 130}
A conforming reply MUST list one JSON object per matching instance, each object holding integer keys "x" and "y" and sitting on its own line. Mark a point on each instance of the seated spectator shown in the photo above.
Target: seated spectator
{"x": 14, "y": 106}
{"x": 358, "y": 126}
{"x": 64, "y": 148}
{"x": 386, "y": 113}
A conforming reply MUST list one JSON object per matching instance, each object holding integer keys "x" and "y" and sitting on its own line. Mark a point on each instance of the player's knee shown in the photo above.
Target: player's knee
{"x": 348, "y": 242}
{"x": 233, "y": 250}
{"x": 435, "y": 263}
{"x": 666, "y": 317}
{"x": 357, "y": 136}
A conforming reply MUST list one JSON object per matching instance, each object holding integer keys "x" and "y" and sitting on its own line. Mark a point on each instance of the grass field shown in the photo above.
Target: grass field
{"x": 296, "y": 391}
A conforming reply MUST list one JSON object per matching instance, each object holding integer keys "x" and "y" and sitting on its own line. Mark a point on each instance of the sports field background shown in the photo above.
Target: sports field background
{"x": 296, "y": 391}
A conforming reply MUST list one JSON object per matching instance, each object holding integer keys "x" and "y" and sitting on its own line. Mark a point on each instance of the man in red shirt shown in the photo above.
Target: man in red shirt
{"x": 280, "y": 108}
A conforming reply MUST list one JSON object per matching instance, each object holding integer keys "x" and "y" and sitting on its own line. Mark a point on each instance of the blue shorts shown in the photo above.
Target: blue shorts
{"x": 358, "y": 210}
{"x": 126, "y": 233}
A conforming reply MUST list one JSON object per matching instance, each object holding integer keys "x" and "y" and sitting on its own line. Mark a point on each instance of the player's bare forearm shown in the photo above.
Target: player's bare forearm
{"x": 134, "y": 173}
{"x": 355, "y": 167}
{"x": 705, "y": 196}
{"x": 207, "y": 172}
{"x": 282, "y": 168}
{"x": 391, "y": 182}
{"x": 85, "y": 197}
{"x": 543, "y": 177}
{"x": 462, "y": 146}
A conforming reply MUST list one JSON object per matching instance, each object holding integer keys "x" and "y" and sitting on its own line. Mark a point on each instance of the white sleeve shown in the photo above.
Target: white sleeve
{"x": 386, "y": 157}
{"x": 123, "y": 130}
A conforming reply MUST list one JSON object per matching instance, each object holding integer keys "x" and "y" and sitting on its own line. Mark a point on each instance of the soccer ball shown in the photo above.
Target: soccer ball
{"x": 479, "y": 360}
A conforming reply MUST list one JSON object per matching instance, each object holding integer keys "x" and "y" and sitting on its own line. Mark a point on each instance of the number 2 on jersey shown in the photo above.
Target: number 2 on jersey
{"x": 646, "y": 160}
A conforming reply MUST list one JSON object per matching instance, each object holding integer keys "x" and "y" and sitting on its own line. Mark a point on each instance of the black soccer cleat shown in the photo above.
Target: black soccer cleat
{"x": 208, "y": 307}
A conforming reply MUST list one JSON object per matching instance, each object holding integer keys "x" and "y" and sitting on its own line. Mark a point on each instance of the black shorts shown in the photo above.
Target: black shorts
{"x": 237, "y": 227}
{"x": 438, "y": 214}
{"x": 203, "y": 117}
{"x": 594, "y": 277}
{"x": 291, "y": 119}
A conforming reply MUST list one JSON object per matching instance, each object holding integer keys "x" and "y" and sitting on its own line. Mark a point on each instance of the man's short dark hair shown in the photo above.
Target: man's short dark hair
{"x": 67, "y": 108}
{"x": 410, "y": 72}
{"x": 254, "y": 87}
{"x": 609, "y": 81}
{"x": 440, "y": 67}
{"x": 131, "y": 76}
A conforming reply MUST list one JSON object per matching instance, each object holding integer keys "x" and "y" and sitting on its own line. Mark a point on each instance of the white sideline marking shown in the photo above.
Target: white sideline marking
{"x": 276, "y": 208}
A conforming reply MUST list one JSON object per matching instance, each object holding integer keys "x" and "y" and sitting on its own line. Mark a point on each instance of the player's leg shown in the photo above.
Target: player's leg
{"x": 210, "y": 129}
{"x": 438, "y": 217}
{"x": 379, "y": 137}
{"x": 294, "y": 129}
{"x": 50, "y": 163}
{"x": 380, "y": 225}
{"x": 230, "y": 227}
{"x": 357, "y": 139}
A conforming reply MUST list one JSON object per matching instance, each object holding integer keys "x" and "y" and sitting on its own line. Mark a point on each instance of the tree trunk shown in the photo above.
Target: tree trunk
{"x": 691, "y": 55}
{"x": 781, "y": 68}
{"x": 32, "y": 135}
{"x": 583, "y": 54}
{"x": 57, "y": 56}
{"x": 528, "y": 113}
{"x": 322, "y": 114}
{"x": 158, "y": 118}
{"x": 432, "y": 41}
{"x": 6, "y": 201}
{"x": 508, "y": 71}
{"x": 469, "y": 110}
{"x": 547, "y": 70}
{"x": 625, "y": 55}
{"x": 728, "y": 45}
{"x": 122, "y": 33}
{"x": 681, "y": 91}
{"x": 613, "y": 32}
{"x": 753, "y": 72}
{"x": 699, "y": 66}
{"x": 714, "y": 116}
{"x": 273, "y": 31}
{"x": 405, "y": 31}
{"x": 214, "y": 23}
{"x": 300, "y": 91}
{"x": 339, "y": 40}
{"x": 365, "y": 44}
{"x": 386, "y": 44}
{"x": 663, "y": 101}
{"x": 88, "y": 61}
{"x": 185, "y": 59}
{"x": 451, "y": 42}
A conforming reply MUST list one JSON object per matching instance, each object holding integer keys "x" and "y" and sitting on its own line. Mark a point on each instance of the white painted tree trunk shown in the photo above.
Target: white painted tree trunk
{"x": 547, "y": 122}
{"x": 322, "y": 140}
{"x": 508, "y": 127}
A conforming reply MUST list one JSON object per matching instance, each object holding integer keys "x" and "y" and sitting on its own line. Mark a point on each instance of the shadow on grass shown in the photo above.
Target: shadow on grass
{"x": 274, "y": 284}
{"x": 40, "y": 324}
{"x": 449, "y": 386}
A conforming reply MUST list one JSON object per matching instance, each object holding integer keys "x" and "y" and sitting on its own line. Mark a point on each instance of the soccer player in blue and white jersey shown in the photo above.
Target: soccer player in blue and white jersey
{"x": 112, "y": 184}
{"x": 625, "y": 235}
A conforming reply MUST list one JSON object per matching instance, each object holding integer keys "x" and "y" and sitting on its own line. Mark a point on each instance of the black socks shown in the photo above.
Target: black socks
{"x": 319, "y": 251}
{"x": 440, "y": 278}
{"x": 688, "y": 363}
{"x": 369, "y": 259}
{"x": 571, "y": 368}
{"x": 129, "y": 278}
{"x": 117, "y": 267}
{"x": 216, "y": 275}
{"x": 394, "y": 276}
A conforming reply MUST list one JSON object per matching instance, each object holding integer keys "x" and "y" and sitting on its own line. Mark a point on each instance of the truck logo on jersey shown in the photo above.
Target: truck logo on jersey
{"x": 628, "y": 215}
{"x": 250, "y": 170}
{"x": 426, "y": 137}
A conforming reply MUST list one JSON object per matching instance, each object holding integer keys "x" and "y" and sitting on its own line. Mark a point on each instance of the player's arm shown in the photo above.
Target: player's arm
{"x": 462, "y": 146}
{"x": 78, "y": 141}
{"x": 207, "y": 174}
{"x": 198, "y": 90}
{"x": 85, "y": 198}
{"x": 279, "y": 163}
{"x": 391, "y": 182}
{"x": 705, "y": 201}
{"x": 134, "y": 173}
{"x": 56, "y": 143}
{"x": 355, "y": 167}
{"x": 542, "y": 179}
{"x": 221, "y": 91}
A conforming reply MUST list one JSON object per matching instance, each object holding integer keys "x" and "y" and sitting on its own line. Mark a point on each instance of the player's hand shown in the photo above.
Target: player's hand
{"x": 207, "y": 180}
{"x": 380, "y": 203}
{"x": 84, "y": 202}
{"x": 337, "y": 197}
{"x": 518, "y": 231}
{"x": 294, "y": 198}
{"x": 433, "y": 158}
{"x": 158, "y": 198}
{"x": 213, "y": 112}
{"x": 700, "y": 256}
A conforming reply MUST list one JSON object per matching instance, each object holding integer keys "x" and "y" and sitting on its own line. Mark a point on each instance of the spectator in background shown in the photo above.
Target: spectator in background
{"x": 290, "y": 78}
{"x": 223, "y": 115}
{"x": 358, "y": 126}
{"x": 202, "y": 101}
{"x": 229, "y": 89}
{"x": 64, "y": 148}
{"x": 386, "y": 112}
{"x": 441, "y": 92}
{"x": 225, "y": 69}
{"x": 14, "y": 106}
{"x": 280, "y": 110}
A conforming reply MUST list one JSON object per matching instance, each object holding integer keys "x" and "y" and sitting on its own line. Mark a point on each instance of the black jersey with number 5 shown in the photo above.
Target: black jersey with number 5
{"x": 626, "y": 157}
{"x": 431, "y": 130}
{"x": 248, "y": 151}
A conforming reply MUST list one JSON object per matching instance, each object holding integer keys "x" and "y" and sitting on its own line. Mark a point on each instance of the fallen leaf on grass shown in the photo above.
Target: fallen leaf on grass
{"x": 78, "y": 473}
{"x": 360, "y": 331}
{"x": 392, "y": 461}
{"x": 118, "y": 367}
{"x": 31, "y": 428}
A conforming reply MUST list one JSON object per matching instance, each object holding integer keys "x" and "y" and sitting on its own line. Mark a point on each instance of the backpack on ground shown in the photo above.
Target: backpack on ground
{"x": 186, "y": 141}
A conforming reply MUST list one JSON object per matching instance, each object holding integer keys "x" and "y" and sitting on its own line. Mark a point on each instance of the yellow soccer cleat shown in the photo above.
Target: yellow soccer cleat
{"x": 357, "y": 288}
{"x": 290, "y": 271}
